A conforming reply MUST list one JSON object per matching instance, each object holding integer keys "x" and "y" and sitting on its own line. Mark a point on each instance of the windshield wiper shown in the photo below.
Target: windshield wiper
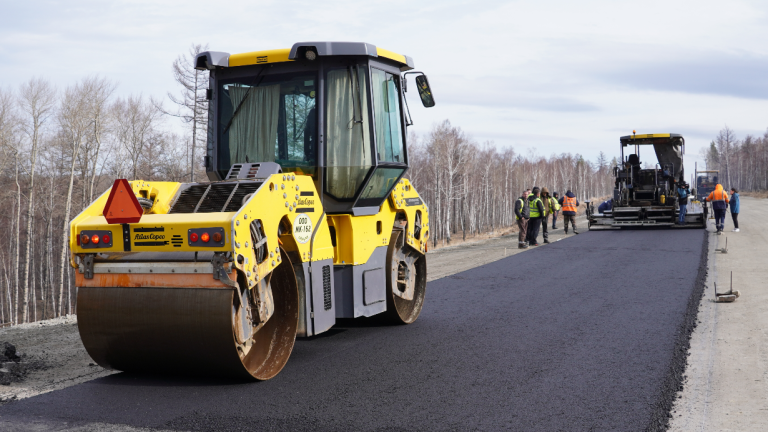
{"x": 253, "y": 85}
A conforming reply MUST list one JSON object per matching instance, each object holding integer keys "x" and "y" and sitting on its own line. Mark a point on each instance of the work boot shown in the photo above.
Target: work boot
{"x": 525, "y": 246}
{"x": 546, "y": 241}
{"x": 575, "y": 232}
{"x": 735, "y": 230}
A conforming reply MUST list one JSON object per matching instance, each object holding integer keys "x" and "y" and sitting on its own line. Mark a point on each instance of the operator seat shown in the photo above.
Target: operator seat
{"x": 634, "y": 162}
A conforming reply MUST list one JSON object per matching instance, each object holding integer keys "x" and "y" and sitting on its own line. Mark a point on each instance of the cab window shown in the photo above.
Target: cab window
{"x": 348, "y": 154}
{"x": 387, "y": 117}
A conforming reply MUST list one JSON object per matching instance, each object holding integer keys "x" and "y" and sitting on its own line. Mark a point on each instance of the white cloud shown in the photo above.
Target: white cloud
{"x": 555, "y": 76}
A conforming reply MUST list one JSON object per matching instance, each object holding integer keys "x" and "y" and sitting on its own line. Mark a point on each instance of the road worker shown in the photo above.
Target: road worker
{"x": 556, "y": 201}
{"x": 536, "y": 209}
{"x": 522, "y": 214}
{"x": 546, "y": 200}
{"x": 605, "y": 206}
{"x": 570, "y": 207}
{"x": 735, "y": 208}
{"x": 682, "y": 200}
{"x": 719, "y": 200}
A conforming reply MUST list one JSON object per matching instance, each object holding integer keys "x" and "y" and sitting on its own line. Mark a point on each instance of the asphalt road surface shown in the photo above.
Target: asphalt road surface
{"x": 589, "y": 333}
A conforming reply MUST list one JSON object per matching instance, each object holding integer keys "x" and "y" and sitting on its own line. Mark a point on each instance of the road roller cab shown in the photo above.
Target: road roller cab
{"x": 306, "y": 218}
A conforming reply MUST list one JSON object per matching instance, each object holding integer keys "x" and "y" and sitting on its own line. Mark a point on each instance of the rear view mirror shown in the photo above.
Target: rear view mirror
{"x": 424, "y": 91}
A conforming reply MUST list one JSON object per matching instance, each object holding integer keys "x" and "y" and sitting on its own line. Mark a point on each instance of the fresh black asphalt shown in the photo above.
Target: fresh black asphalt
{"x": 589, "y": 333}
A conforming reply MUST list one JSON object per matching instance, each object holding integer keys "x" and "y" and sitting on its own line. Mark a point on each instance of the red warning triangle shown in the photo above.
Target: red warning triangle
{"x": 122, "y": 205}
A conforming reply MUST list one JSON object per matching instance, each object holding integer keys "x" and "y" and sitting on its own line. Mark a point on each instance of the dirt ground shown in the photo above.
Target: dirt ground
{"x": 58, "y": 356}
{"x": 457, "y": 258}
{"x": 727, "y": 372}
{"x": 60, "y": 360}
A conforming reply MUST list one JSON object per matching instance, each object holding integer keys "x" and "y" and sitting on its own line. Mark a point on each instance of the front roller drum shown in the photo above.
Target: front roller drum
{"x": 406, "y": 280}
{"x": 187, "y": 330}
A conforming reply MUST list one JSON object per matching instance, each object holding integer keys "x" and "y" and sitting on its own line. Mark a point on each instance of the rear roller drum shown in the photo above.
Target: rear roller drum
{"x": 406, "y": 280}
{"x": 192, "y": 330}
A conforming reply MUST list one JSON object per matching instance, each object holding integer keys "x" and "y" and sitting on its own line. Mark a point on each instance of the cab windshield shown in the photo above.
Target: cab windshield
{"x": 268, "y": 118}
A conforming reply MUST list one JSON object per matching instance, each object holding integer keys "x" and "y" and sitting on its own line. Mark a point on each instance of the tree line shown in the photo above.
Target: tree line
{"x": 743, "y": 163}
{"x": 471, "y": 188}
{"x": 60, "y": 149}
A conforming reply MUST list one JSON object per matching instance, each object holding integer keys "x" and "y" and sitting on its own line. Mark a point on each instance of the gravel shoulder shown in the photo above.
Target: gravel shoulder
{"x": 727, "y": 373}
{"x": 450, "y": 260}
{"x": 54, "y": 347}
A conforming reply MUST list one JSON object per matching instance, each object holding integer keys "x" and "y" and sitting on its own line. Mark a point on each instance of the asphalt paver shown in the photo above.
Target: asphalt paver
{"x": 589, "y": 333}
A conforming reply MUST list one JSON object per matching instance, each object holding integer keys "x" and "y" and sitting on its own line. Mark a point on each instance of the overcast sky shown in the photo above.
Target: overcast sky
{"x": 543, "y": 76}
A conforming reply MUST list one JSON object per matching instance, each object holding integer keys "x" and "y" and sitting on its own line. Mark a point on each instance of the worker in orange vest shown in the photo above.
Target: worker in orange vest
{"x": 570, "y": 206}
{"x": 719, "y": 200}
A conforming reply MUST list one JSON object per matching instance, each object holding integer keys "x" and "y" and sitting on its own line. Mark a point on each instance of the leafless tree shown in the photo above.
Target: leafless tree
{"x": 10, "y": 142}
{"x": 99, "y": 92}
{"x": 726, "y": 140}
{"x": 37, "y": 99}
{"x": 472, "y": 187}
{"x": 135, "y": 121}
{"x": 191, "y": 103}
{"x": 75, "y": 122}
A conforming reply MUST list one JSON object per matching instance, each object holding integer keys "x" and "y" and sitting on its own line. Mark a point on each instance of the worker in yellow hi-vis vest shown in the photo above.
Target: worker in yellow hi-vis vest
{"x": 549, "y": 208}
{"x": 536, "y": 209}
{"x": 556, "y": 208}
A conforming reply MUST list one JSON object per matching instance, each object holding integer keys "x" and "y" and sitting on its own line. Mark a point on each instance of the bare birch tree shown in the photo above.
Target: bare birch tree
{"x": 75, "y": 124}
{"x": 37, "y": 99}
{"x": 726, "y": 140}
{"x": 191, "y": 103}
{"x": 135, "y": 121}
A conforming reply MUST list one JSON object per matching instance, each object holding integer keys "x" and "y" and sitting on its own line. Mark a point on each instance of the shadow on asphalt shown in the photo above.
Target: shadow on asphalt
{"x": 326, "y": 334}
{"x": 140, "y": 379}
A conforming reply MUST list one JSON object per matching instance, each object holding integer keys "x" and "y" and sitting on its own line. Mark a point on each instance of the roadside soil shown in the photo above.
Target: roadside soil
{"x": 758, "y": 194}
{"x": 452, "y": 259}
{"x": 60, "y": 360}
{"x": 727, "y": 372}
{"x": 56, "y": 357}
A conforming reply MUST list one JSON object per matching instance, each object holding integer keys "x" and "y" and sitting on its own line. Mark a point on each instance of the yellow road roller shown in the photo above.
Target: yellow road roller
{"x": 305, "y": 219}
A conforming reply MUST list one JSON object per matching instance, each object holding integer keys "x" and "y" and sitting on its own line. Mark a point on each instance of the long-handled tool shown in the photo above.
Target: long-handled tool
{"x": 728, "y": 297}
{"x": 725, "y": 249}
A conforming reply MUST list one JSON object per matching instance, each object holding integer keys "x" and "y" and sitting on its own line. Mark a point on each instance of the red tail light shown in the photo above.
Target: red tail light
{"x": 84, "y": 239}
{"x": 95, "y": 239}
{"x": 105, "y": 238}
{"x": 206, "y": 237}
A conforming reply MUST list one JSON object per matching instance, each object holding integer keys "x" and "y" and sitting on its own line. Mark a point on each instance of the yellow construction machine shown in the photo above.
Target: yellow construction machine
{"x": 306, "y": 218}
{"x": 648, "y": 197}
